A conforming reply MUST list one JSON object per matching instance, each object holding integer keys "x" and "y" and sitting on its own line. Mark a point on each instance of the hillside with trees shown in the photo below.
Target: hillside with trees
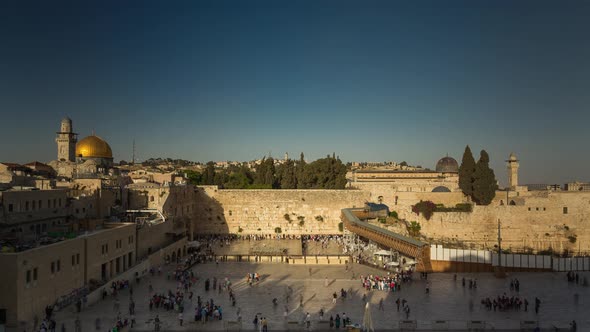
{"x": 324, "y": 173}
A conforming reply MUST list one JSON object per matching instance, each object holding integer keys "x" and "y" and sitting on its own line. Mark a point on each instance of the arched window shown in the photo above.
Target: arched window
{"x": 151, "y": 198}
{"x": 512, "y": 203}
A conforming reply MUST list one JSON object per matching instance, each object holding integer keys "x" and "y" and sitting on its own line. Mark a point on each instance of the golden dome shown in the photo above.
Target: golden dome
{"x": 93, "y": 147}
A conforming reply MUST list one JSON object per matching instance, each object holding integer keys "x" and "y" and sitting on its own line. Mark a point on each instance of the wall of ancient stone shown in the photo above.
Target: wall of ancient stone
{"x": 261, "y": 211}
{"x": 536, "y": 221}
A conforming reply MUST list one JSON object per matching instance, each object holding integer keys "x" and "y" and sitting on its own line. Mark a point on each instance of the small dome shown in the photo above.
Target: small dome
{"x": 447, "y": 165}
{"x": 66, "y": 120}
{"x": 93, "y": 147}
{"x": 512, "y": 157}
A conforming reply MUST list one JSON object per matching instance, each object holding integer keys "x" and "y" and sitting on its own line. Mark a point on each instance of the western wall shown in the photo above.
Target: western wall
{"x": 535, "y": 220}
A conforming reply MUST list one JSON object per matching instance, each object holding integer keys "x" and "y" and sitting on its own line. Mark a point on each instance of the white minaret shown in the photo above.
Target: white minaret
{"x": 512, "y": 170}
{"x": 286, "y": 156}
{"x": 66, "y": 141}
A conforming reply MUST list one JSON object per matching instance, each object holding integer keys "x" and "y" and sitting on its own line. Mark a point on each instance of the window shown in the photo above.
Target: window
{"x": 73, "y": 260}
{"x": 49, "y": 204}
{"x": 565, "y": 210}
{"x": 10, "y": 207}
{"x": 52, "y": 267}
{"x": 35, "y": 274}
{"x": 537, "y": 209}
{"x": 77, "y": 258}
{"x": 27, "y": 206}
{"x": 39, "y": 204}
{"x": 60, "y": 202}
{"x": 58, "y": 265}
{"x": 44, "y": 228}
{"x": 54, "y": 205}
{"x": 28, "y": 276}
{"x": 529, "y": 209}
{"x": 34, "y": 205}
{"x": 544, "y": 209}
{"x": 83, "y": 210}
{"x": 151, "y": 198}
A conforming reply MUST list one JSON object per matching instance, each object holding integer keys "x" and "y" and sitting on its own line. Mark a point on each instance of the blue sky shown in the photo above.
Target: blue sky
{"x": 368, "y": 80}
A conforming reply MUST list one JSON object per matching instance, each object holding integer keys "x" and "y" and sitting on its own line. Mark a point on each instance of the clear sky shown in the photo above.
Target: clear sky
{"x": 368, "y": 80}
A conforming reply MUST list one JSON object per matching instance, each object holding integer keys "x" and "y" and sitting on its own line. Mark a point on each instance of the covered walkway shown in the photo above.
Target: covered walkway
{"x": 405, "y": 245}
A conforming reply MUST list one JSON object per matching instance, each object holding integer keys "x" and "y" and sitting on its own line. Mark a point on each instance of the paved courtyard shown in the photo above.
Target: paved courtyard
{"x": 448, "y": 300}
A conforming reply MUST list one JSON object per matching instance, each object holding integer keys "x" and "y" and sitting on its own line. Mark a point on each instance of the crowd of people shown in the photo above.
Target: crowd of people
{"x": 390, "y": 282}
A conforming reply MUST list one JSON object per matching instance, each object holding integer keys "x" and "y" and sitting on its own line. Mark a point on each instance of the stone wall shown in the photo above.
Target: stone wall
{"x": 536, "y": 220}
{"x": 261, "y": 211}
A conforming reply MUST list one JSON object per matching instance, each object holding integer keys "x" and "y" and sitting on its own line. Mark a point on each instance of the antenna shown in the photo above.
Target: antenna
{"x": 133, "y": 155}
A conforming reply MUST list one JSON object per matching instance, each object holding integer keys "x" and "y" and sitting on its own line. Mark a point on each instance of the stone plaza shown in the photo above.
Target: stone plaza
{"x": 448, "y": 300}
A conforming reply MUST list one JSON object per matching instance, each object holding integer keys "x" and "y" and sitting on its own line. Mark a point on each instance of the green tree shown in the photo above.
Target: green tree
{"x": 484, "y": 181}
{"x": 194, "y": 177}
{"x": 209, "y": 174}
{"x": 300, "y": 171}
{"x": 265, "y": 174}
{"x": 287, "y": 175}
{"x": 466, "y": 171}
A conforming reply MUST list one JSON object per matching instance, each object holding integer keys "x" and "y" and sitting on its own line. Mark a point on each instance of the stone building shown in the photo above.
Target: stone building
{"x": 36, "y": 277}
{"x": 89, "y": 157}
{"x": 445, "y": 178}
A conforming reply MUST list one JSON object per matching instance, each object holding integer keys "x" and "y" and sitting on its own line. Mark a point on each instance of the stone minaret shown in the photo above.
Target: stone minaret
{"x": 66, "y": 141}
{"x": 512, "y": 171}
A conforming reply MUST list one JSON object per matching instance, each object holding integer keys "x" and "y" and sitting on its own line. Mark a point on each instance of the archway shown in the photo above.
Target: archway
{"x": 441, "y": 189}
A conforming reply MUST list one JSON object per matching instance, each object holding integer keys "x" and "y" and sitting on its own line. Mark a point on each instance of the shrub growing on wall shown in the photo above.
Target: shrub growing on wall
{"x": 341, "y": 227}
{"x": 414, "y": 228}
{"x": 278, "y": 230}
{"x": 425, "y": 207}
{"x": 393, "y": 214}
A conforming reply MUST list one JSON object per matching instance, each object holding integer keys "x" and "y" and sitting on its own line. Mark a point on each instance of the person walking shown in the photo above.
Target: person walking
{"x": 381, "y": 304}
{"x": 157, "y": 323}
{"x": 180, "y": 318}
{"x": 334, "y": 297}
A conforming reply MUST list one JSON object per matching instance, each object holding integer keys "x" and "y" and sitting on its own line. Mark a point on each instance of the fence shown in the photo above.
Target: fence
{"x": 515, "y": 261}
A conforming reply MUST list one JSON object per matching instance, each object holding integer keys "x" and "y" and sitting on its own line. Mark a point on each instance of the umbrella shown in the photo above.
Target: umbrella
{"x": 367, "y": 320}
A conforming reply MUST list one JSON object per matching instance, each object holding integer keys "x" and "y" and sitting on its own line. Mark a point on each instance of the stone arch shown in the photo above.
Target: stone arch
{"x": 178, "y": 254}
{"x": 173, "y": 256}
{"x": 501, "y": 202}
{"x": 151, "y": 198}
{"x": 512, "y": 202}
{"x": 441, "y": 189}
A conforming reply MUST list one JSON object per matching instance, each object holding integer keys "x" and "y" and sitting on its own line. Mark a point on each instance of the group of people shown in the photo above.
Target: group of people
{"x": 391, "y": 282}
{"x": 337, "y": 322}
{"x": 505, "y": 303}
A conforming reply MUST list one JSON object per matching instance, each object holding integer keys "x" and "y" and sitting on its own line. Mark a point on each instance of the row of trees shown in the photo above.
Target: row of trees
{"x": 477, "y": 180}
{"x": 325, "y": 173}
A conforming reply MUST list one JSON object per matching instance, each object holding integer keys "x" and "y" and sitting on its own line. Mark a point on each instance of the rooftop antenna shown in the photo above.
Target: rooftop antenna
{"x": 133, "y": 155}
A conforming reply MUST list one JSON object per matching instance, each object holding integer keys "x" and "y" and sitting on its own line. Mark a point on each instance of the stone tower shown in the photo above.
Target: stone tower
{"x": 66, "y": 141}
{"x": 512, "y": 171}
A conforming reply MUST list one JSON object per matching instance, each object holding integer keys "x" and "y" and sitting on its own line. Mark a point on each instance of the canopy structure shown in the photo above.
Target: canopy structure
{"x": 193, "y": 244}
{"x": 383, "y": 253}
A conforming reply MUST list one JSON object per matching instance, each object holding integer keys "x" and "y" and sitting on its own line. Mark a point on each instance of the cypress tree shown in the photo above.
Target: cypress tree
{"x": 466, "y": 171}
{"x": 484, "y": 181}
{"x": 300, "y": 172}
